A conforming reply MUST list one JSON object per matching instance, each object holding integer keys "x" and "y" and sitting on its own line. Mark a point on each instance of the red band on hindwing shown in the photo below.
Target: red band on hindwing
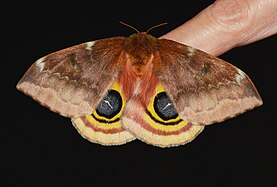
{"x": 96, "y": 129}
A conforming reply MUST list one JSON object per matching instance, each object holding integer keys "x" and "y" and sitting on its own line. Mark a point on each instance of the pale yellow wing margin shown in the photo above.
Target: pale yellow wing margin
{"x": 97, "y": 133}
{"x": 104, "y": 125}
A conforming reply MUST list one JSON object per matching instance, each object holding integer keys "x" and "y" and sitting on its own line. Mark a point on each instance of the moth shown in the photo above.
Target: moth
{"x": 119, "y": 89}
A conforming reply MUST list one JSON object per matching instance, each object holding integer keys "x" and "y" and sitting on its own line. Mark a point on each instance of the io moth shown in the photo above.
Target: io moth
{"x": 119, "y": 89}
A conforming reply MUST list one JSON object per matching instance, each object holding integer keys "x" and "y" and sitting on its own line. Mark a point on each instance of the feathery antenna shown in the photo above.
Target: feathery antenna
{"x": 161, "y": 24}
{"x": 130, "y": 26}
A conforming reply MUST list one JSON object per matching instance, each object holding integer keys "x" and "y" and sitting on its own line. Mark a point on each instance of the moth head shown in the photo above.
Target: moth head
{"x": 141, "y": 40}
{"x": 141, "y": 44}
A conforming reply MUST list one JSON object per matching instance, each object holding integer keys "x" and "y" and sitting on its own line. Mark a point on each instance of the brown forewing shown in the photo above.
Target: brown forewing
{"x": 203, "y": 88}
{"x": 72, "y": 81}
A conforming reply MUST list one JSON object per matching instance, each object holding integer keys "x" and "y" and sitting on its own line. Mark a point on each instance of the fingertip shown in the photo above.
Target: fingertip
{"x": 226, "y": 24}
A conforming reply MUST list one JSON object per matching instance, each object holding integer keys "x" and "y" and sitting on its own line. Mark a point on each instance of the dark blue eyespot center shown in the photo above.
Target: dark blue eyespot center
{"x": 110, "y": 105}
{"x": 163, "y": 107}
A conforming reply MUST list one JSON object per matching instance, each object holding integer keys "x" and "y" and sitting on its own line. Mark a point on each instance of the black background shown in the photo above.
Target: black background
{"x": 39, "y": 147}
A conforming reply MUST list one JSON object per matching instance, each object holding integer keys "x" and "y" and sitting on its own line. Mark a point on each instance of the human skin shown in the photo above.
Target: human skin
{"x": 227, "y": 24}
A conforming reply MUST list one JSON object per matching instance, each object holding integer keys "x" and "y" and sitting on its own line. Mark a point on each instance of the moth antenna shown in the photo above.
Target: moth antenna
{"x": 155, "y": 26}
{"x": 130, "y": 26}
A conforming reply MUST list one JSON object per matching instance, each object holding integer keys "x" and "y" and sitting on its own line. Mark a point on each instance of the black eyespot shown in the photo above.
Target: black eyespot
{"x": 110, "y": 105}
{"x": 164, "y": 108}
